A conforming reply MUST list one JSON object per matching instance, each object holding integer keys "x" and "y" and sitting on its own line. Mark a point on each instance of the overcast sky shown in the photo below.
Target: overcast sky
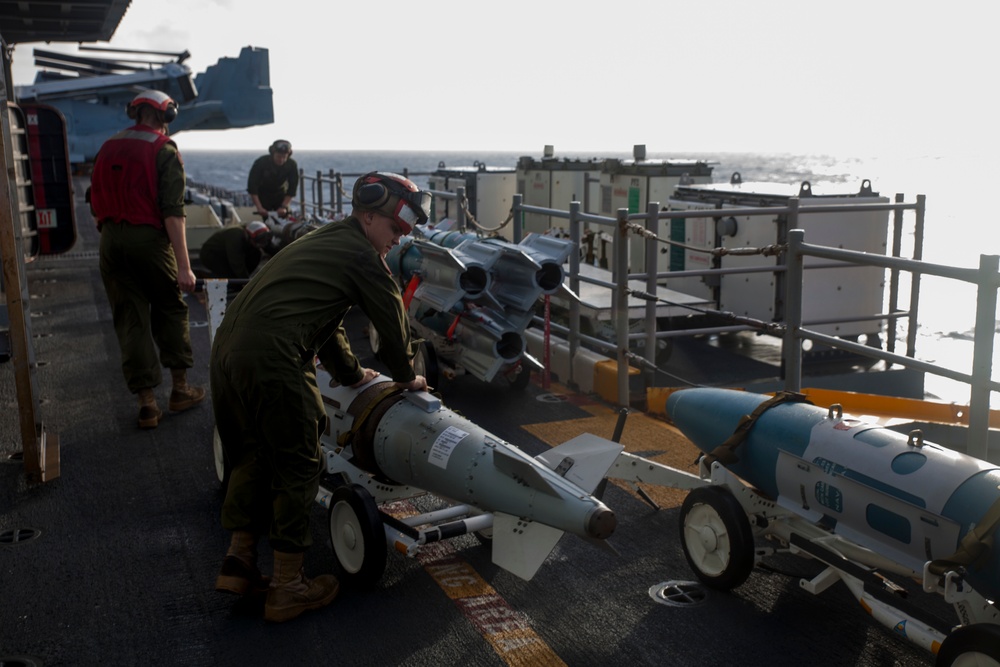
{"x": 860, "y": 77}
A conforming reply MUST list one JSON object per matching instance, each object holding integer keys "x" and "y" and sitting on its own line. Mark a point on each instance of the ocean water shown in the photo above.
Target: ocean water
{"x": 957, "y": 228}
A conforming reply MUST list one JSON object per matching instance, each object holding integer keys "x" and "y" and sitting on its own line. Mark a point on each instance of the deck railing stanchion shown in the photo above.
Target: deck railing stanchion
{"x": 649, "y": 323}
{"x": 791, "y": 349}
{"x": 619, "y": 304}
{"x": 982, "y": 356}
{"x": 575, "y": 234}
{"x": 897, "y": 250}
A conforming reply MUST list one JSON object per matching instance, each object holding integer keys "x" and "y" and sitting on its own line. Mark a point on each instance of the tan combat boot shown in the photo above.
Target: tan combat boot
{"x": 183, "y": 396}
{"x": 291, "y": 593}
{"x": 149, "y": 411}
{"x": 239, "y": 573}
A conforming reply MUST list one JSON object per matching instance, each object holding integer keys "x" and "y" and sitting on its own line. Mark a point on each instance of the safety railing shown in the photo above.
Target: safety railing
{"x": 792, "y": 329}
{"x": 323, "y": 196}
{"x": 987, "y": 281}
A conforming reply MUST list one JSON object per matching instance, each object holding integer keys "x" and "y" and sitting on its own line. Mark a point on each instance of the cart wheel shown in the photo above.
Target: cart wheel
{"x": 373, "y": 339}
{"x": 357, "y": 535}
{"x": 971, "y": 646}
{"x": 425, "y": 363}
{"x": 518, "y": 375}
{"x": 716, "y": 536}
{"x": 222, "y": 470}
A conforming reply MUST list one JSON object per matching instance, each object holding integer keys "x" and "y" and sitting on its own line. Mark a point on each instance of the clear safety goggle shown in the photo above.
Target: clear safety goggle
{"x": 414, "y": 208}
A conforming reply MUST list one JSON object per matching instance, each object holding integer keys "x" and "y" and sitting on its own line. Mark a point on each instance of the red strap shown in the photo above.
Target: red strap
{"x": 411, "y": 287}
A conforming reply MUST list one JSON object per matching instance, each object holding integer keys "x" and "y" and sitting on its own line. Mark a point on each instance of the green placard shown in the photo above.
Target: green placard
{"x": 633, "y": 200}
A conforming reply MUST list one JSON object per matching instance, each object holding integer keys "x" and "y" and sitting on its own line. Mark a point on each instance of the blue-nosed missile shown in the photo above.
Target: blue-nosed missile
{"x": 910, "y": 501}
{"x": 405, "y": 439}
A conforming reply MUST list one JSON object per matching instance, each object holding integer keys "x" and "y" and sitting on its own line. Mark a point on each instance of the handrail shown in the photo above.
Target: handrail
{"x": 987, "y": 280}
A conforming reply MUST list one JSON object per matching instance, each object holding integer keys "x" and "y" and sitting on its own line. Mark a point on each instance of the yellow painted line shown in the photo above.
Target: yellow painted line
{"x": 507, "y": 630}
{"x": 643, "y": 435}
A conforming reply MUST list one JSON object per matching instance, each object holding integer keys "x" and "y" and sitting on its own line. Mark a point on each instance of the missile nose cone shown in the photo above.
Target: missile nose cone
{"x": 601, "y": 523}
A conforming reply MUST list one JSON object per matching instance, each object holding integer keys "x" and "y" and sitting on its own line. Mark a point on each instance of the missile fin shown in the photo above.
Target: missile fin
{"x": 522, "y": 469}
{"x": 584, "y": 460}
{"x": 437, "y": 253}
{"x": 535, "y": 364}
{"x": 565, "y": 292}
{"x": 520, "y": 546}
{"x": 603, "y": 545}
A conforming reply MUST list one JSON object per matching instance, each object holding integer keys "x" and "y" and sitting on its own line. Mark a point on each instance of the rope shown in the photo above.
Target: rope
{"x": 767, "y": 251}
{"x": 774, "y": 328}
{"x": 475, "y": 223}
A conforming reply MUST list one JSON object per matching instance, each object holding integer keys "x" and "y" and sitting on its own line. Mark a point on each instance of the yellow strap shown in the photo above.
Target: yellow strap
{"x": 974, "y": 546}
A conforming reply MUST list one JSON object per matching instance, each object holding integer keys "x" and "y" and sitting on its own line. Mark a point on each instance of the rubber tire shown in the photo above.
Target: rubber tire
{"x": 971, "y": 646}
{"x": 357, "y": 536}
{"x": 425, "y": 363}
{"x": 518, "y": 376}
{"x": 374, "y": 341}
{"x": 222, "y": 469}
{"x": 716, "y": 537}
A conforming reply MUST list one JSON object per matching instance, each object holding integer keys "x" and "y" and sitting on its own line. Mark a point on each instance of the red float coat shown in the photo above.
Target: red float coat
{"x": 125, "y": 185}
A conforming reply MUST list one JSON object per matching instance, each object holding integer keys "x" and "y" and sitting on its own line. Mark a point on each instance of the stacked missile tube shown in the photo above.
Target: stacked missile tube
{"x": 475, "y": 295}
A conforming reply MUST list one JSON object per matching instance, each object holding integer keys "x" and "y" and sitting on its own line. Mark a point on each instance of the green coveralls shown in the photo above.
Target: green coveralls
{"x": 139, "y": 271}
{"x": 229, "y": 253}
{"x": 268, "y": 408}
{"x": 271, "y": 182}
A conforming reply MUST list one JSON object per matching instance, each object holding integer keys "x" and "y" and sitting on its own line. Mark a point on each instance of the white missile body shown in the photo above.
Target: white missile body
{"x": 400, "y": 444}
{"x": 864, "y": 500}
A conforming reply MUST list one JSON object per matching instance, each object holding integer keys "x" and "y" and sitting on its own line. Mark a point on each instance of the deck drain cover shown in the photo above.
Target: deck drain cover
{"x": 19, "y": 661}
{"x": 679, "y": 593}
{"x": 18, "y": 536}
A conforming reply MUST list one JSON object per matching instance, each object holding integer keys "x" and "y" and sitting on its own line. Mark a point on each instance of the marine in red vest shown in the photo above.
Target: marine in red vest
{"x": 137, "y": 196}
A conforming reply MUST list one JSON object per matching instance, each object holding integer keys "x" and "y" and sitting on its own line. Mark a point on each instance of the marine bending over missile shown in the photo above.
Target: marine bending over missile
{"x": 268, "y": 408}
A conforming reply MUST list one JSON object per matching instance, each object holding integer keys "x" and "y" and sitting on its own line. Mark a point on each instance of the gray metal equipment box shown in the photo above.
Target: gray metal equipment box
{"x": 554, "y": 183}
{"x": 827, "y": 294}
{"x": 490, "y": 191}
{"x": 631, "y": 184}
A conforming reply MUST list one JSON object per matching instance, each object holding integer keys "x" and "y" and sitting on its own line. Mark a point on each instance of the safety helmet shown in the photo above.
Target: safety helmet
{"x": 396, "y": 196}
{"x": 157, "y": 99}
{"x": 259, "y": 234}
{"x": 280, "y": 146}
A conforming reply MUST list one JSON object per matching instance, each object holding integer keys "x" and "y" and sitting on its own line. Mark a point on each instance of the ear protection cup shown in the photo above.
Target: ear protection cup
{"x": 373, "y": 195}
{"x": 273, "y": 148}
{"x": 169, "y": 113}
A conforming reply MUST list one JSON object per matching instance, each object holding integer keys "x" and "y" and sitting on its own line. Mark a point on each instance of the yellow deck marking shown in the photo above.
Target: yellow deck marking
{"x": 508, "y": 631}
{"x": 643, "y": 435}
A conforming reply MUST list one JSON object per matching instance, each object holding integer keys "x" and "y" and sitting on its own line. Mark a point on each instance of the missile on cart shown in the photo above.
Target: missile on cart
{"x": 409, "y": 438}
{"x": 911, "y": 501}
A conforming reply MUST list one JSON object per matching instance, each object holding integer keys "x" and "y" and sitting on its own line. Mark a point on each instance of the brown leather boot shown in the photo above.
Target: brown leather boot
{"x": 239, "y": 573}
{"x": 183, "y": 396}
{"x": 291, "y": 593}
{"x": 149, "y": 411}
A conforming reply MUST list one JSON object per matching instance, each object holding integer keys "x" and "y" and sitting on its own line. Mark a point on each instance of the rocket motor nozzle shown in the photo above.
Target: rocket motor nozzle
{"x": 601, "y": 523}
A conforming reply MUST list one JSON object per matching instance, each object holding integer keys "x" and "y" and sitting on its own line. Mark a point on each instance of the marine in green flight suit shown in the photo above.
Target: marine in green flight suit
{"x": 268, "y": 408}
